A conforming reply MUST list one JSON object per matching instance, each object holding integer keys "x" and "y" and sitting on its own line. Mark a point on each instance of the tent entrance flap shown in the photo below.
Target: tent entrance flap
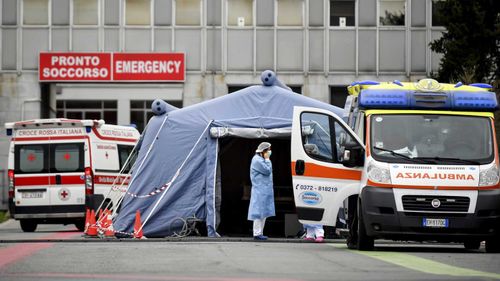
{"x": 235, "y": 155}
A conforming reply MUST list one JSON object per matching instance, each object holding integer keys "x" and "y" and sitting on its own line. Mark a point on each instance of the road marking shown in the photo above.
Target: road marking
{"x": 20, "y": 251}
{"x": 421, "y": 264}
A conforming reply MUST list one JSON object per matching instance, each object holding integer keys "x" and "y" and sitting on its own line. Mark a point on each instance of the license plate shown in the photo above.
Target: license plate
{"x": 435, "y": 222}
{"x": 31, "y": 195}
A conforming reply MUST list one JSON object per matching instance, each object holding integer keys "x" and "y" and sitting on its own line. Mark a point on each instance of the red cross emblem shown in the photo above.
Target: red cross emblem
{"x": 31, "y": 157}
{"x": 67, "y": 156}
{"x": 64, "y": 194}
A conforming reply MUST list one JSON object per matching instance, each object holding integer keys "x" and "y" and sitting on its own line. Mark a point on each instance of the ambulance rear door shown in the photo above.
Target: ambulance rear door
{"x": 327, "y": 158}
{"x": 67, "y": 176}
{"x": 31, "y": 168}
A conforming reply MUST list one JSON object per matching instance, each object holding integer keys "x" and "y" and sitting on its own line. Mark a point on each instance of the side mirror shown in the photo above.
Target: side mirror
{"x": 353, "y": 156}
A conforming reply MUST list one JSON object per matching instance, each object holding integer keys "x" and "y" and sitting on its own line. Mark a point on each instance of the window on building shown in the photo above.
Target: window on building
{"x": 296, "y": 89}
{"x": 36, "y": 12}
{"x": 85, "y": 12}
{"x": 111, "y": 12}
{"x": 437, "y": 12}
{"x": 235, "y": 88}
{"x": 240, "y": 12}
{"x": 392, "y": 12}
{"x": 290, "y": 12}
{"x": 88, "y": 109}
{"x": 137, "y": 12}
{"x": 338, "y": 95}
{"x": 187, "y": 12}
{"x": 342, "y": 13}
{"x": 140, "y": 112}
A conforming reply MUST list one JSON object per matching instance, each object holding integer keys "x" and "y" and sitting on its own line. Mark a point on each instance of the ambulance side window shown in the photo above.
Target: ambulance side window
{"x": 323, "y": 137}
{"x": 31, "y": 159}
{"x": 67, "y": 157}
{"x": 124, "y": 152}
{"x": 318, "y": 136}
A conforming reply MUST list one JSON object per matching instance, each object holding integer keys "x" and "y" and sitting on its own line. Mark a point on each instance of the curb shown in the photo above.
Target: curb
{"x": 170, "y": 239}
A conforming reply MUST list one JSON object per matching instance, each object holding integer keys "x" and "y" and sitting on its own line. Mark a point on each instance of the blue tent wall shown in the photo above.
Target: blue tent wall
{"x": 192, "y": 193}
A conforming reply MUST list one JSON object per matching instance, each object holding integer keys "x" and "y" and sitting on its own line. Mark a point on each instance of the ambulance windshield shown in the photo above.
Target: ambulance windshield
{"x": 439, "y": 139}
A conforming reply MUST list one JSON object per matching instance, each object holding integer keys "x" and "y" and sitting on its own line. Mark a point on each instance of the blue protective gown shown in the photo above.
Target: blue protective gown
{"x": 313, "y": 226}
{"x": 262, "y": 196}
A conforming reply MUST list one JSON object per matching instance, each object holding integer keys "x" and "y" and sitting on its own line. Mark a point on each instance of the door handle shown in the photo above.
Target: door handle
{"x": 299, "y": 167}
{"x": 58, "y": 179}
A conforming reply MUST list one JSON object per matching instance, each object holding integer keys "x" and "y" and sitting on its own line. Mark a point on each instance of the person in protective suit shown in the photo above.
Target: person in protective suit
{"x": 262, "y": 196}
{"x": 314, "y": 232}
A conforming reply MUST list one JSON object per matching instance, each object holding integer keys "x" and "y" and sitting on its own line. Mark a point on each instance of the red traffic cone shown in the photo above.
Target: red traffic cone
{"x": 87, "y": 222}
{"x": 92, "y": 229}
{"x": 137, "y": 225}
{"x": 109, "y": 231}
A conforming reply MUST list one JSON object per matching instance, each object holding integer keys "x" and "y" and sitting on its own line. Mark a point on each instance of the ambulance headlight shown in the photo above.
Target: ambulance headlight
{"x": 378, "y": 174}
{"x": 489, "y": 177}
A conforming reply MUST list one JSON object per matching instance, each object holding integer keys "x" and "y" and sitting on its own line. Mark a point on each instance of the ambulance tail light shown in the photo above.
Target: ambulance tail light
{"x": 11, "y": 183}
{"x": 89, "y": 181}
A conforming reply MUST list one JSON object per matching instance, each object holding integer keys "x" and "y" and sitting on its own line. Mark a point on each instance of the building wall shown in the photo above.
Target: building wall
{"x": 295, "y": 38}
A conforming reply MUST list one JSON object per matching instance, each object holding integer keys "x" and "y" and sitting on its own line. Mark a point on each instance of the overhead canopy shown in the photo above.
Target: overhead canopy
{"x": 182, "y": 145}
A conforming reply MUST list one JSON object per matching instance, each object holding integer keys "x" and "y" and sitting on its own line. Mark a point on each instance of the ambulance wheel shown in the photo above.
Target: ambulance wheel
{"x": 80, "y": 224}
{"x": 493, "y": 245}
{"x": 472, "y": 244}
{"x": 28, "y": 225}
{"x": 365, "y": 242}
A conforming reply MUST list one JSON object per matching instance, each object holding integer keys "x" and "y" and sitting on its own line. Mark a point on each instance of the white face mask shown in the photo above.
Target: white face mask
{"x": 269, "y": 153}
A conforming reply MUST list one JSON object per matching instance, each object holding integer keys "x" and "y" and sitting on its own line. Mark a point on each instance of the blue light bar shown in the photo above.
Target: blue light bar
{"x": 474, "y": 101}
{"x": 447, "y": 100}
{"x": 366, "y": 82}
{"x": 459, "y": 84}
{"x": 482, "y": 85}
{"x": 384, "y": 99}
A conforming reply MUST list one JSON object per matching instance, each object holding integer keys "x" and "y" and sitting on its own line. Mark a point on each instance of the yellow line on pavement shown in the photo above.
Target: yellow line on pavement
{"x": 421, "y": 264}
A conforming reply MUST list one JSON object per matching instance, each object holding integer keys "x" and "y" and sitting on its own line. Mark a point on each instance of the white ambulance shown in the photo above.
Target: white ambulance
{"x": 60, "y": 167}
{"x": 416, "y": 161}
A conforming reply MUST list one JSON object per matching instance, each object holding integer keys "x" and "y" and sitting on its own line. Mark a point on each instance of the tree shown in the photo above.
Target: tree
{"x": 471, "y": 43}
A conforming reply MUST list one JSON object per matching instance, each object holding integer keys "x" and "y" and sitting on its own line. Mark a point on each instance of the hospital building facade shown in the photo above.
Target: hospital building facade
{"x": 209, "y": 48}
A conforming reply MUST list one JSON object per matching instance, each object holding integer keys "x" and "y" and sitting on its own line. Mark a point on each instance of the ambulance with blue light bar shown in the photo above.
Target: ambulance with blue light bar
{"x": 408, "y": 161}
{"x": 60, "y": 167}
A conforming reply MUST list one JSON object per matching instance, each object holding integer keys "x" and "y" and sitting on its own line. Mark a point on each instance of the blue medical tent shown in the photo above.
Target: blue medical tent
{"x": 175, "y": 173}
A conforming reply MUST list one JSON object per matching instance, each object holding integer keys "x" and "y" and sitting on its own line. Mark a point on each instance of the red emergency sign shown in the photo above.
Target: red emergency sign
{"x": 74, "y": 67}
{"x": 151, "y": 67}
{"x": 97, "y": 67}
